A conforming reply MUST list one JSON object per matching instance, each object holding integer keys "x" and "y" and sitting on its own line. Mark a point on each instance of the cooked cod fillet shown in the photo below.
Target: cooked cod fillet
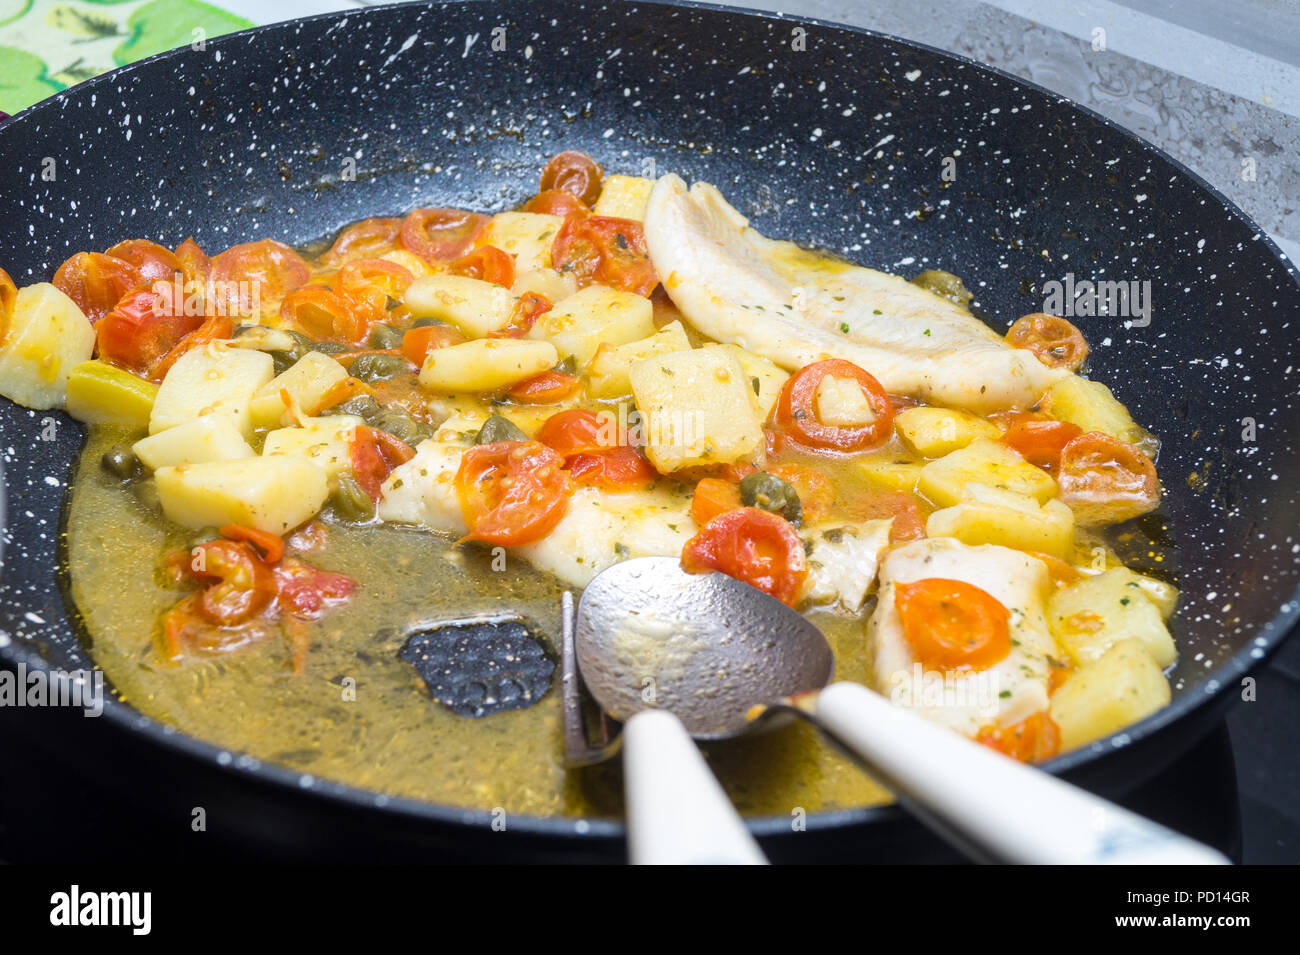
{"x": 795, "y": 307}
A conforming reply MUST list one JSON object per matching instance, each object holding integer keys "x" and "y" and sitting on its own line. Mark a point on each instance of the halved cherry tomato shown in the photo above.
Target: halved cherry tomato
{"x": 8, "y": 295}
{"x": 307, "y": 591}
{"x": 871, "y": 504}
{"x": 271, "y": 545}
{"x": 195, "y": 264}
{"x": 96, "y": 282}
{"x": 1034, "y": 739}
{"x": 815, "y": 490}
{"x": 487, "y": 263}
{"x": 371, "y": 285}
{"x": 1053, "y": 340}
{"x": 512, "y": 492}
{"x": 554, "y": 202}
{"x": 575, "y": 173}
{"x": 440, "y": 235}
{"x": 953, "y": 625}
{"x": 1105, "y": 480}
{"x": 752, "y": 545}
{"x": 795, "y": 412}
{"x": 607, "y": 250}
{"x": 367, "y": 239}
{"x": 154, "y": 262}
{"x": 214, "y": 328}
{"x": 622, "y": 469}
{"x": 1039, "y": 440}
{"x": 714, "y": 496}
{"x": 546, "y": 388}
{"x": 577, "y": 431}
{"x": 374, "y": 455}
{"x": 254, "y": 275}
{"x": 243, "y": 584}
{"x": 523, "y": 315}
{"x": 418, "y": 342}
{"x": 1058, "y": 571}
{"x": 137, "y": 333}
{"x": 323, "y": 315}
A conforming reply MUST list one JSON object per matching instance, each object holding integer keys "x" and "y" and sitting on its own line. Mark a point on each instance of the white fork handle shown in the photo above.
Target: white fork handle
{"x": 994, "y": 807}
{"x": 677, "y": 814}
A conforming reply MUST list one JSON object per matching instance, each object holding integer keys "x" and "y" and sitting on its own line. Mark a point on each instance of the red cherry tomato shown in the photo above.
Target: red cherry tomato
{"x": 440, "y": 235}
{"x": 605, "y": 250}
{"x": 512, "y": 492}
{"x": 487, "y": 263}
{"x": 195, "y": 264}
{"x": 256, "y": 275}
{"x": 418, "y": 342}
{"x": 323, "y": 315}
{"x": 374, "y": 455}
{"x": 8, "y": 295}
{"x": 96, "y": 282}
{"x": 367, "y": 239}
{"x": 622, "y": 469}
{"x": 523, "y": 315}
{"x": 214, "y": 328}
{"x": 1034, "y": 739}
{"x": 1053, "y": 340}
{"x": 554, "y": 202}
{"x": 714, "y": 496}
{"x": 545, "y": 389}
{"x": 371, "y": 285}
{"x": 878, "y": 504}
{"x": 575, "y": 173}
{"x": 137, "y": 334}
{"x": 1105, "y": 480}
{"x": 796, "y": 409}
{"x": 752, "y": 545}
{"x": 154, "y": 262}
{"x": 242, "y": 585}
{"x": 577, "y": 431}
{"x": 1039, "y": 440}
{"x": 953, "y": 625}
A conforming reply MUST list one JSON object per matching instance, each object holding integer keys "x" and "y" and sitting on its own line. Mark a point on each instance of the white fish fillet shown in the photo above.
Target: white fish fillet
{"x": 795, "y": 308}
{"x": 966, "y": 701}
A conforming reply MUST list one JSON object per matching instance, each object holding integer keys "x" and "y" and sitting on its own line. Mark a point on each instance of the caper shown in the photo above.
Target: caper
{"x": 401, "y": 426}
{"x": 363, "y": 405}
{"x": 769, "y": 492}
{"x": 329, "y": 348}
{"x": 497, "y": 428}
{"x": 121, "y": 463}
{"x": 282, "y": 361}
{"x": 567, "y": 366}
{"x": 421, "y": 322}
{"x": 350, "y": 501}
{"x": 385, "y": 336}
{"x": 373, "y": 366}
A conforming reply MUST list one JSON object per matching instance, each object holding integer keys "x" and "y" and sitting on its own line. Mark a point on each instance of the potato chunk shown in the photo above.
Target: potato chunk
{"x": 596, "y": 315}
{"x": 306, "y": 382}
{"x": 1119, "y": 688}
{"x": 934, "y": 432}
{"x": 624, "y": 197}
{"x": 1091, "y": 406}
{"x": 765, "y": 377}
{"x": 983, "y": 462}
{"x": 525, "y": 235}
{"x": 324, "y": 441}
{"x": 472, "y": 305}
{"x": 1091, "y": 616}
{"x": 275, "y": 493}
{"x": 209, "y": 437}
{"x": 888, "y": 470}
{"x": 610, "y": 365}
{"x": 991, "y": 516}
{"x": 486, "y": 364}
{"x": 47, "y": 337}
{"x": 105, "y": 394}
{"x": 697, "y": 408}
{"x": 213, "y": 379}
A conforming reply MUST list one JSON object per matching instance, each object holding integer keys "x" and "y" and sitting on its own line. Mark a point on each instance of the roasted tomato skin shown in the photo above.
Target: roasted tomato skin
{"x": 1055, "y": 341}
{"x": 323, "y": 314}
{"x": 754, "y": 546}
{"x": 554, "y": 202}
{"x": 622, "y": 469}
{"x": 154, "y": 263}
{"x": 952, "y": 625}
{"x": 441, "y": 235}
{"x": 371, "y": 285}
{"x": 575, "y": 173}
{"x": 255, "y": 275}
{"x": 512, "y": 492}
{"x": 96, "y": 282}
{"x": 795, "y": 412}
{"x": 487, "y": 263}
{"x": 369, "y": 238}
{"x": 605, "y": 250}
{"x": 1105, "y": 480}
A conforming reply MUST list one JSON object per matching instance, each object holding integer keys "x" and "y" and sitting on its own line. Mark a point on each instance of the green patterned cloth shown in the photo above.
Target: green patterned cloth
{"x": 48, "y": 45}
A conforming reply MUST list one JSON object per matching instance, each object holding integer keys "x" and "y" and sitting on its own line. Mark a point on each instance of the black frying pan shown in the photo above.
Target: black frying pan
{"x": 838, "y": 143}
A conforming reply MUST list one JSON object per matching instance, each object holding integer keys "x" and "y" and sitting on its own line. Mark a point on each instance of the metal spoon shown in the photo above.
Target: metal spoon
{"x": 727, "y": 659}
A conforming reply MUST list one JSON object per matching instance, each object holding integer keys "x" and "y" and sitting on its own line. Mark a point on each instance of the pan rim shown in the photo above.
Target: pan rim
{"x": 1214, "y": 682}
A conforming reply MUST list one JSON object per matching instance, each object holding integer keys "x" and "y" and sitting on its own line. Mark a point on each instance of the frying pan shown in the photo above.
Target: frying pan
{"x": 818, "y": 132}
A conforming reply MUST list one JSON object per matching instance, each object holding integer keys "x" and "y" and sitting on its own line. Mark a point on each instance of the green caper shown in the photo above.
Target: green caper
{"x": 421, "y": 322}
{"x": 401, "y": 426}
{"x": 497, "y": 428}
{"x": 769, "y": 492}
{"x": 121, "y": 463}
{"x": 945, "y": 285}
{"x": 329, "y": 348}
{"x": 363, "y": 405}
{"x": 385, "y": 336}
{"x": 567, "y": 366}
{"x": 373, "y": 366}
{"x": 350, "y": 501}
{"x": 282, "y": 361}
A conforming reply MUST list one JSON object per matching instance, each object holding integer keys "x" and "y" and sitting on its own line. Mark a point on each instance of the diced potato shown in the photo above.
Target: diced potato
{"x": 887, "y": 471}
{"x": 624, "y": 197}
{"x": 983, "y": 462}
{"x": 992, "y": 516}
{"x": 769, "y": 376}
{"x": 841, "y": 403}
{"x": 596, "y": 315}
{"x": 1122, "y": 686}
{"x": 934, "y": 432}
{"x": 609, "y": 366}
{"x": 105, "y": 394}
{"x": 486, "y": 364}
{"x": 46, "y": 338}
{"x": 1163, "y": 595}
{"x": 1091, "y": 406}
{"x": 210, "y": 437}
{"x": 213, "y": 379}
{"x": 552, "y": 285}
{"x": 324, "y": 441}
{"x": 306, "y": 382}
{"x": 697, "y": 408}
{"x": 525, "y": 235}
{"x": 1091, "y": 616}
{"x": 472, "y": 305}
{"x": 272, "y": 493}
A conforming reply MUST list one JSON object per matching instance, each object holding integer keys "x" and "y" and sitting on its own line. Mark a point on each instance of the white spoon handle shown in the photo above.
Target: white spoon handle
{"x": 677, "y": 814}
{"x": 995, "y": 807}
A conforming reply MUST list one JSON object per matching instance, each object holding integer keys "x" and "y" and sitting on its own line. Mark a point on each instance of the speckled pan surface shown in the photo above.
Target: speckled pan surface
{"x": 818, "y": 132}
